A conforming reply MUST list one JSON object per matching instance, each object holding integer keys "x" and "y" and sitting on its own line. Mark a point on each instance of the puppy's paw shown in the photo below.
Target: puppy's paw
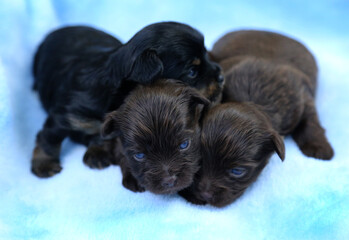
{"x": 97, "y": 157}
{"x": 45, "y": 167}
{"x": 318, "y": 149}
{"x": 131, "y": 183}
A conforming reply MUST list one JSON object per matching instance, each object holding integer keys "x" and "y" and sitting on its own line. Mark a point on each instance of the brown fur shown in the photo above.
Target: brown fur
{"x": 155, "y": 120}
{"x": 270, "y": 89}
{"x": 196, "y": 61}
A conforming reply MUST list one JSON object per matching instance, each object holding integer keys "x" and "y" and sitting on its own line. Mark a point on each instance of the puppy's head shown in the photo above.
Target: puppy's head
{"x": 172, "y": 50}
{"x": 236, "y": 143}
{"x": 158, "y": 126}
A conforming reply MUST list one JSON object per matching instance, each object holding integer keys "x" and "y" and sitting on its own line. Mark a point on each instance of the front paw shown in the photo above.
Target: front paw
{"x": 45, "y": 169}
{"x": 131, "y": 183}
{"x": 318, "y": 149}
{"x": 97, "y": 157}
{"x": 44, "y": 165}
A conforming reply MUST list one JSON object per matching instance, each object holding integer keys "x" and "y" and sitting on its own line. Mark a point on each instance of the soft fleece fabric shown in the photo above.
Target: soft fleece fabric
{"x": 301, "y": 198}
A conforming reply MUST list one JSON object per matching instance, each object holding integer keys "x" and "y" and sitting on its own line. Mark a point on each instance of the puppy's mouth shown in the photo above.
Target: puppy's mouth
{"x": 220, "y": 198}
{"x": 215, "y": 201}
{"x": 172, "y": 180}
{"x": 171, "y": 190}
{"x": 161, "y": 188}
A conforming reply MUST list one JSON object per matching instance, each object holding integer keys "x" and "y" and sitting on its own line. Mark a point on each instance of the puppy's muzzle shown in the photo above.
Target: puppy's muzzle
{"x": 207, "y": 196}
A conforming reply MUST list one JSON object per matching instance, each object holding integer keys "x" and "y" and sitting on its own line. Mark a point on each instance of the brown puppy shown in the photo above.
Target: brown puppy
{"x": 159, "y": 132}
{"x": 270, "y": 84}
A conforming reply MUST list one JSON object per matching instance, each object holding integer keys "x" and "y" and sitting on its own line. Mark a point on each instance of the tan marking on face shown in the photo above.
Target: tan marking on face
{"x": 196, "y": 61}
{"x": 213, "y": 92}
{"x": 212, "y": 89}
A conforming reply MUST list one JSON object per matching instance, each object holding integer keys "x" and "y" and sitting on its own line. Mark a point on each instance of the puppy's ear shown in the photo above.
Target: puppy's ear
{"x": 195, "y": 97}
{"x": 146, "y": 68}
{"x": 279, "y": 145}
{"x": 211, "y": 56}
{"x": 110, "y": 127}
{"x": 197, "y": 103}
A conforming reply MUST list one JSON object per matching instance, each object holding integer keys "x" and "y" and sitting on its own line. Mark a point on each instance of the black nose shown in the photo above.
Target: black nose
{"x": 207, "y": 196}
{"x": 169, "y": 182}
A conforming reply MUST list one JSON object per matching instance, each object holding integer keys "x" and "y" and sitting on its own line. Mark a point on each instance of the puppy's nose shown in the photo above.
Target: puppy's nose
{"x": 169, "y": 182}
{"x": 207, "y": 196}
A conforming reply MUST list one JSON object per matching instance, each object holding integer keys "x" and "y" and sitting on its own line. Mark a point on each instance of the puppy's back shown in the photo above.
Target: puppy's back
{"x": 64, "y": 49}
{"x": 267, "y": 45}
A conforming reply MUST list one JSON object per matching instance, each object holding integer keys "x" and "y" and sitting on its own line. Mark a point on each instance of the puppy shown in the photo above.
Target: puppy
{"x": 269, "y": 91}
{"x": 82, "y": 73}
{"x": 159, "y": 132}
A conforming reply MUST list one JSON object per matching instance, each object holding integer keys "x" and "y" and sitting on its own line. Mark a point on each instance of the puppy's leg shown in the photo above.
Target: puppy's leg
{"x": 128, "y": 180}
{"x": 45, "y": 160}
{"x": 98, "y": 153}
{"x": 310, "y": 136}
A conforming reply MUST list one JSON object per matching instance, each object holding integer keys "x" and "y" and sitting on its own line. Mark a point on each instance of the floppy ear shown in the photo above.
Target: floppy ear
{"x": 146, "y": 68}
{"x": 279, "y": 145}
{"x": 196, "y": 99}
{"x": 211, "y": 56}
{"x": 110, "y": 127}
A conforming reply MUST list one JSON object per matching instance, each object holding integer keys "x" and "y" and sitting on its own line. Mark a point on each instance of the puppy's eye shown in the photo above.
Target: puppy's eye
{"x": 193, "y": 72}
{"x": 184, "y": 145}
{"x": 238, "y": 172}
{"x": 139, "y": 156}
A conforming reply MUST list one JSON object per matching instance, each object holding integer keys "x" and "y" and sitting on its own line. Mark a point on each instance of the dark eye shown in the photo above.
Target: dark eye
{"x": 139, "y": 156}
{"x": 184, "y": 145}
{"x": 238, "y": 172}
{"x": 192, "y": 72}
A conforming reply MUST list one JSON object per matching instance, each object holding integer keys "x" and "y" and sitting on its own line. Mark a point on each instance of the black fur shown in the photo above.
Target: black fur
{"x": 82, "y": 73}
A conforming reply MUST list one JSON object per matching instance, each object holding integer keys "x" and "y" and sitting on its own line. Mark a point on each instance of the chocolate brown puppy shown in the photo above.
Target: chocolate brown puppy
{"x": 82, "y": 73}
{"x": 159, "y": 132}
{"x": 270, "y": 90}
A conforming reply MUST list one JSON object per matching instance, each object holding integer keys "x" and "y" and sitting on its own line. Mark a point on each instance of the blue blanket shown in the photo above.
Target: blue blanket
{"x": 300, "y": 198}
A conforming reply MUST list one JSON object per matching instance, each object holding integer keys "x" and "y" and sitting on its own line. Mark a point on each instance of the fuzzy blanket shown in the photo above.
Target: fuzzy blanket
{"x": 301, "y": 198}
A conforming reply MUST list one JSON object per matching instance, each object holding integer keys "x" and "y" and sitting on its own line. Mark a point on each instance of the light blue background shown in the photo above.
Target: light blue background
{"x": 301, "y": 198}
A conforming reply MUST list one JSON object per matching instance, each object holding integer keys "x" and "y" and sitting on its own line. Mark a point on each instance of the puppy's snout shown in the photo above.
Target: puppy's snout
{"x": 169, "y": 182}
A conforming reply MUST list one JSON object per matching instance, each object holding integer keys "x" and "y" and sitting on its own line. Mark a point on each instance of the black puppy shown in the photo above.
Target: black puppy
{"x": 159, "y": 132}
{"x": 82, "y": 73}
{"x": 270, "y": 84}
